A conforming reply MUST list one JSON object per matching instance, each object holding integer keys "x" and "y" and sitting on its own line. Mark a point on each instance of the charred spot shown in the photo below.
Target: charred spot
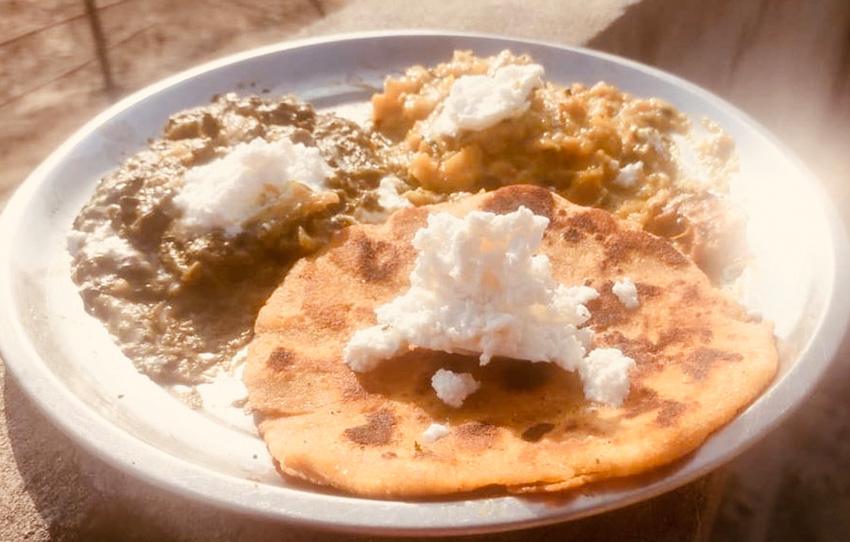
{"x": 351, "y": 389}
{"x": 607, "y": 310}
{"x": 389, "y": 455}
{"x": 640, "y": 349}
{"x": 536, "y": 432}
{"x": 332, "y": 317}
{"x": 593, "y": 222}
{"x": 641, "y": 400}
{"x": 509, "y": 199}
{"x": 280, "y": 359}
{"x": 377, "y": 430}
{"x": 376, "y": 261}
{"x": 699, "y": 362}
{"x": 647, "y": 290}
{"x": 668, "y": 413}
{"x": 622, "y": 246}
{"x": 684, "y": 336}
{"x": 690, "y": 295}
{"x": 476, "y": 431}
{"x": 572, "y": 235}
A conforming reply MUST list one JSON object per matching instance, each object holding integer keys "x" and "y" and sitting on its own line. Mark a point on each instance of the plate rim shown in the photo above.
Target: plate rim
{"x": 74, "y": 418}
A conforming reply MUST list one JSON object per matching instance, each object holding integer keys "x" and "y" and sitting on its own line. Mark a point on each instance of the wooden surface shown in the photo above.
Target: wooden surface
{"x": 785, "y": 62}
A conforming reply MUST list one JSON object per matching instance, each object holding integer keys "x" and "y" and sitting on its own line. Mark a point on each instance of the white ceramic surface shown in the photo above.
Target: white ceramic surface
{"x": 66, "y": 362}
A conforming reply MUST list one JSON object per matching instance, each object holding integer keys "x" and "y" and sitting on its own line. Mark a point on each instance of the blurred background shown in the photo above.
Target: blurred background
{"x": 785, "y": 62}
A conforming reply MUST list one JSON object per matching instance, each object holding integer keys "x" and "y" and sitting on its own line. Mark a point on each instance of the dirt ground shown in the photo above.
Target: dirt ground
{"x": 52, "y": 81}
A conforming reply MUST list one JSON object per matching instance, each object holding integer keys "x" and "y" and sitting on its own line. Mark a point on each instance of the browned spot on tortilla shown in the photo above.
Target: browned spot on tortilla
{"x": 622, "y": 246}
{"x": 352, "y": 390}
{"x": 371, "y": 260}
{"x": 593, "y": 222}
{"x": 641, "y": 350}
{"x": 668, "y": 413}
{"x": 327, "y": 316}
{"x": 377, "y": 430}
{"x": 647, "y": 291}
{"x": 536, "y": 432}
{"x": 607, "y": 310}
{"x": 476, "y": 429}
{"x": 640, "y": 400}
{"x": 279, "y": 359}
{"x": 690, "y": 295}
{"x": 683, "y": 335}
{"x": 376, "y": 260}
{"x": 509, "y": 199}
{"x": 572, "y": 235}
{"x": 476, "y": 434}
{"x": 389, "y": 455}
{"x": 698, "y": 364}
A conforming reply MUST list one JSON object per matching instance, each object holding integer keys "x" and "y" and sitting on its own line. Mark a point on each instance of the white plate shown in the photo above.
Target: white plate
{"x": 65, "y": 361}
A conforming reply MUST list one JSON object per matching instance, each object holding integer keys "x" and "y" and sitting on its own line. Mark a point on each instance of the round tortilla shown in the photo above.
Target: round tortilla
{"x": 700, "y": 359}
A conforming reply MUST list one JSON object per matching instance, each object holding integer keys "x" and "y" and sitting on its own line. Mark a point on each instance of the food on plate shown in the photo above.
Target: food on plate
{"x": 474, "y": 123}
{"x": 502, "y": 281}
{"x": 179, "y": 248}
{"x": 352, "y": 390}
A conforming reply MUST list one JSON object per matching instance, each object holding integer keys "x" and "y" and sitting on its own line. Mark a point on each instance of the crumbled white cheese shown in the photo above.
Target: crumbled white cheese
{"x": 605, "y": 376}
{"x": 626, "y": 292}
{"x": 370, "y": 346}
{"x": 477, "y": 102}
{"x": 434, "y": 432}
{"x": 230, "y": 190}
{"x": 651, "y": 138}
{"x": 389, "y": 194}
{"x": 477, "y": 287}
{"x": 691, "y": 166}
{"x": 102, "y": 242}
{"x": 453, "y": 388}
{"x": 389, "y": 198}
{"x": 628, "y": 175}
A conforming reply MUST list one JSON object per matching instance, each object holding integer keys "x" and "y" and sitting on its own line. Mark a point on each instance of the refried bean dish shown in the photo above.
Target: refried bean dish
{"x": 483, "y": 217}
{"x": 180, "y": 297}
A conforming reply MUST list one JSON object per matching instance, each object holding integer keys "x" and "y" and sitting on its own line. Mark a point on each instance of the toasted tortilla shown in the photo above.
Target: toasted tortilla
{"x": 700, "y": 359}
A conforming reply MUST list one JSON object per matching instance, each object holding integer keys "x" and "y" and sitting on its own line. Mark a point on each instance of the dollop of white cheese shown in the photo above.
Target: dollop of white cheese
{"x": 389, "y": 194}
{"x": 232, "y": 189}
{"x": 477, "y": 102}
{"x": 368, "y": 347}
{"x": 478, "y": 288}
{"x": 434, "y": 432}
{"x": 605, "y": 376}
{"x": 628, "y": 175}
{"x": 102, "y": 242}
{"x": 626, "y": 292}
{"x": 453, "y": 388}
{"x": 389, "y": 198}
